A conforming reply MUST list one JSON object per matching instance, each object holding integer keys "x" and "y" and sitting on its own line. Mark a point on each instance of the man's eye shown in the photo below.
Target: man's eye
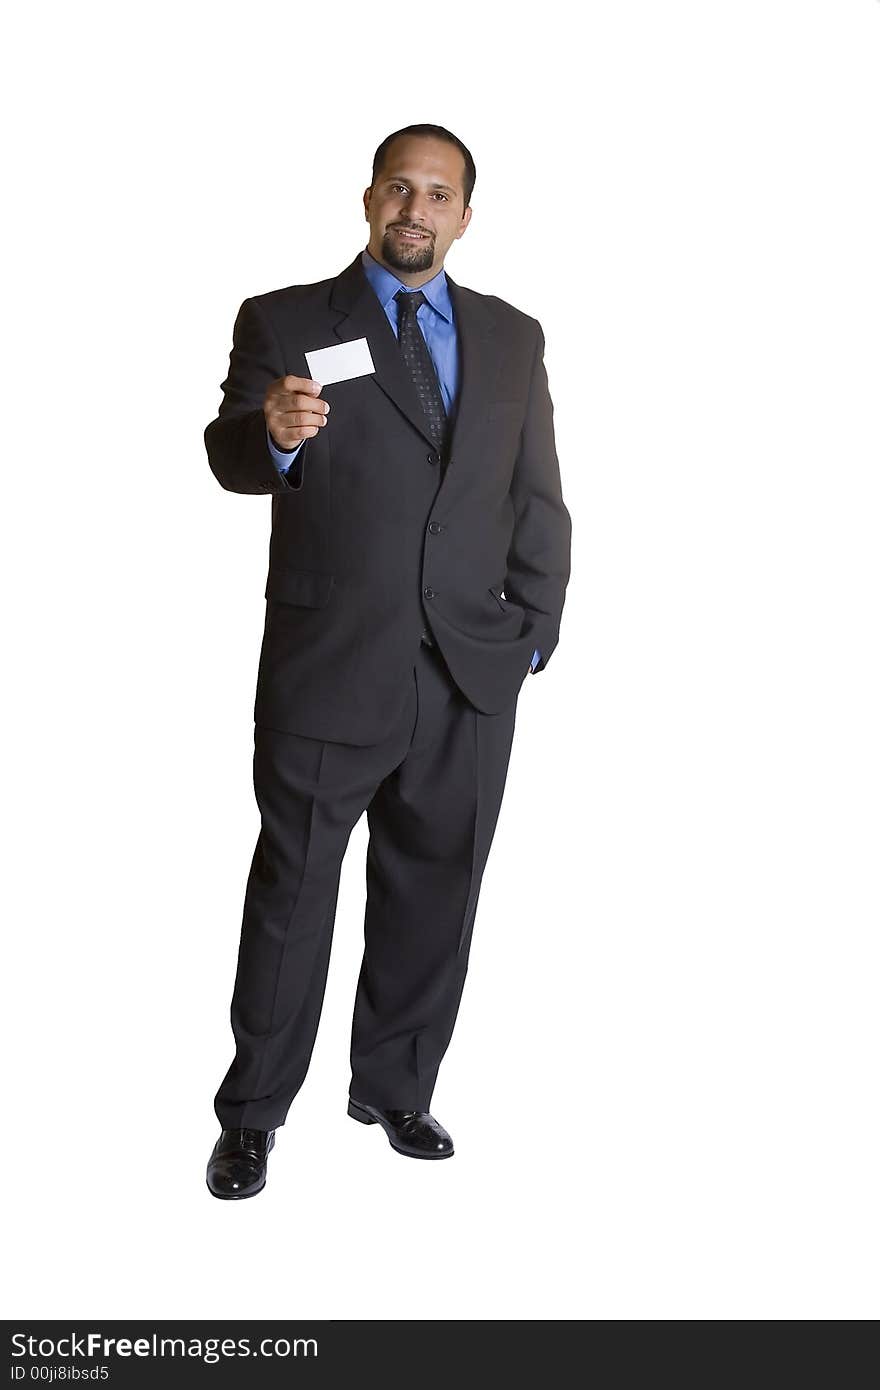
{"x": 395, "y": 186}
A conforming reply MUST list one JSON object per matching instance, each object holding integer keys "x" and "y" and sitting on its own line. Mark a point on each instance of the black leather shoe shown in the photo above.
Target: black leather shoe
{"x": 237, "y": 1166}
{"x": 412, "y": 1132}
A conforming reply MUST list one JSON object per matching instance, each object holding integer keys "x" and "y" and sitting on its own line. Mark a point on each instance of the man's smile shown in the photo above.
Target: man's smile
{"x": 408, "y": 235}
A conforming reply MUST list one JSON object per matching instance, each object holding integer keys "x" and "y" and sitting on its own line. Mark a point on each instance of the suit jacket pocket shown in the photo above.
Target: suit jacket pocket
{"x": 308, "y": 588}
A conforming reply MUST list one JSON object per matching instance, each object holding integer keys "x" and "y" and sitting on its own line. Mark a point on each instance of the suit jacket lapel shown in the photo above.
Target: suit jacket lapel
{"x": 480, "y": 360}
{"x": 363, "y": 317}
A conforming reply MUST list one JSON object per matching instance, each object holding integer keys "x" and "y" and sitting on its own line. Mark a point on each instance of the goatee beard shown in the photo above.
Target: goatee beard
{"x": 420, "y": 257}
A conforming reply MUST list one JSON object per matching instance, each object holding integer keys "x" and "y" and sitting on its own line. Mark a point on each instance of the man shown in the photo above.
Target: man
{"x": 419, "y": 556}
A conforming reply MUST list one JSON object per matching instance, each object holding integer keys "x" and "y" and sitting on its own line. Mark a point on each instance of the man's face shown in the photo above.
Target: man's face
{"x": 420, "y": 188}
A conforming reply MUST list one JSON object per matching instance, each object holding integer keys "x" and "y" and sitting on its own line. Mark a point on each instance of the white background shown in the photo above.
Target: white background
{"x": 662, "y": 1085}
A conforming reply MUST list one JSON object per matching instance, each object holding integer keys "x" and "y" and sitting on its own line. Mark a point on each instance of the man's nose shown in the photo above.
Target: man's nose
{"x": 415, "y": 213}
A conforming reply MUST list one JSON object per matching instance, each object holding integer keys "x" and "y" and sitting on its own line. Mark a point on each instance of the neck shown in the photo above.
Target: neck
{"x": 413, "y": 279}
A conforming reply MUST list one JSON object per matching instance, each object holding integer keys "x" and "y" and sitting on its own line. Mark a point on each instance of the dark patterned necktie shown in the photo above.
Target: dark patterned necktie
{"x": 421, "y": 367}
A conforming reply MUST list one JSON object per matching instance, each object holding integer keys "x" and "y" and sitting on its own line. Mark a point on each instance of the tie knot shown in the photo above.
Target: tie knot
{"x": 409, "y": 300}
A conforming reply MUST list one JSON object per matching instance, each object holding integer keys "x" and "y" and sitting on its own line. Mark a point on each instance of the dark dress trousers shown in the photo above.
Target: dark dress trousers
{"x": 376, "y": 540}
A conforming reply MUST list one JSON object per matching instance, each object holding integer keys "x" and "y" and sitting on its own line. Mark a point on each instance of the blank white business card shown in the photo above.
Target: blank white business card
{"x": 341, "y": 362}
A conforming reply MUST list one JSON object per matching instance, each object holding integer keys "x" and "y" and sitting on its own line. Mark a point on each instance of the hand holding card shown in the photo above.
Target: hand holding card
{"x": 294, "y": 410}
{"x": 293, "y": 407}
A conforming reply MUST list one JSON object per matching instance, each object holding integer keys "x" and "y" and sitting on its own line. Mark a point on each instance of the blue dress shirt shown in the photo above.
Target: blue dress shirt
{"x": 436, "y": 320}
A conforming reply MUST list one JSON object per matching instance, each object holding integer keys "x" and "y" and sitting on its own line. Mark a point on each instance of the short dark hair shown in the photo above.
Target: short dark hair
{"x": 437, "y": 132}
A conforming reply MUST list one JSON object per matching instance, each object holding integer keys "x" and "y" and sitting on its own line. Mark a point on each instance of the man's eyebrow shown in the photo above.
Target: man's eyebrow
{"x": 402, "y": 178}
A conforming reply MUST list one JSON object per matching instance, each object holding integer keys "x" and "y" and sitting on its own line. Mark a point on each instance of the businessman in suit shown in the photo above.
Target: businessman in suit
{"x": 418, "y": 562}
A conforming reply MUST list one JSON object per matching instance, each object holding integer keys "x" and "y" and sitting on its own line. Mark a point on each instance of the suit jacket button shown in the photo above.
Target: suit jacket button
{"x": 430, "y": 593}
{"x": 433, "y": 458}
{"x": 435, "y": 528}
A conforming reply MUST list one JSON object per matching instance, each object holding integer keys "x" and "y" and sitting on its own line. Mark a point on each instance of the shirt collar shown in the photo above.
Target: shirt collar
{"x": 386, "y": 286}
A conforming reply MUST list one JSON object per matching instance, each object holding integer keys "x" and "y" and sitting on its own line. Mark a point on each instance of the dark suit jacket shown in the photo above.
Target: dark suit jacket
{"x": 375, "y": 538}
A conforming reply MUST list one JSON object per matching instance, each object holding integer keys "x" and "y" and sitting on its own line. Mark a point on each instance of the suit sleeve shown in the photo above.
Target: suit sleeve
{"x": 237, "y": 440}
{"x": 539, "y": 558}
